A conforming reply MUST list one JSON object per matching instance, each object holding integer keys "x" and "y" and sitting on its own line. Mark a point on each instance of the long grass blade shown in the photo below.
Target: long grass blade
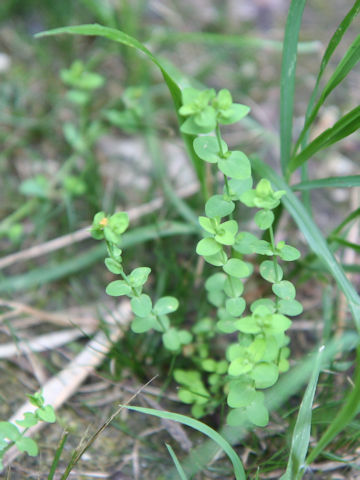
{"x": 313, "y": 236}
{"x": 178, "y": 466}
{"x": 243, "y": 41}
{"x": 334, "y": 42}
{"x": 301, "y": 435}
{"x": 329, "y": 182}
{"x": 287, "y": 86}
{"x": 350, "y": 408}
{"x": 174, "y": 89}
{"x": 344, "y": 127}
{"x": 203, "y": 428}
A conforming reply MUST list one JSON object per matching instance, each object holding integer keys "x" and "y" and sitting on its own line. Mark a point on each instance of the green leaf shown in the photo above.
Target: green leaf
{"x": 344, "y": 127}
{"x": 289, "y": 253}
{"x": 139, "y": 276}
{"x": 118, "y": 288}
{"x": 334, "y": 42}
{"x": 237, "y": 268}
{"x": 264, "y": 219}
{"x": 241, "y": 393}
{"x": 143, "y": 324}
{"x": 28, "y": 421}
{"x": 10, "y": 431}
{"x": 257, "y": 412}
{"x": 235, "y": 306}
{"x": 208, "y": 224}
{"x": 225, "y": 232}
{"x": 203, "y": 428}
{"x": 284, "y": 290}
{"x": 236, "y": 165}
{"x": 271, "y": 272}
{"x": 264, "y": 374}
{"x": 215, "y": 282}
{"x": 217, "y": 206}
{"x": 248, "y": 325}
{"x": 218, "y": 260}
{"x": 177, "y": 464}
{"x": 141, "y": 305}
{"x": 207, "y": 148}
{"x": 208, "y": 246}
{"x": 236, "y": 112}
{"x": 329, "y": 182}
{"x": 287, "y": 86}
{"x": 46, "y": 414}
{"x": 28, "y": 445}
{"x": 166, "y": 305}
{"x": 290, "y": 307}
{"x": 301, "y": 435}
{"x": 244, "y": 243}
{"x": 238, "y": 187}
{"x": 113, "y": 266}
{"x": 171, "y": 339}
{"x": 233, "y": 287}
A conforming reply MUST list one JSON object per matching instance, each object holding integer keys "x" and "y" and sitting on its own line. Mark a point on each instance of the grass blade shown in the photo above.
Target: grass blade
{"x": 347, "y": 124}
{"x": 201, "y": 427}
{"x": 330, "y": 182}
{"x": 301, "y": 435}
{"x": 287, "y": 86}
{"x": 178, "y": 466}
{"x": 174, "y": 89}
{"x": 243, "y": 41}
{"x": 313, "y": 236}
{"x": 57, "y": 456}
{"x": 334, "y": 42}
{"x": 343, "y": 418}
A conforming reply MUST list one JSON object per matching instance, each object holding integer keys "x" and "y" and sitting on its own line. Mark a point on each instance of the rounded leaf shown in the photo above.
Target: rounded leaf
{"x": 171, "y": 339}
{"x": 236, "y": 165}
{"x": 237, "y": 268}
{"x": 284, "y": 290}
{"x": 217, "y": 206}
{"x": 235, "y": 306}
{"x": 118, "y": 288}
{"x": 139, "y": 276}
{"x": 270, "y": 272}
{"x": 207, "y": 148}
{"x": 290, "y": 307}
{"x": 215, "y": 282}
{"x": 141, "y": 305}
{"x": 236, "y": 417}
{"x": 289, "y": 253}
{"x": 10, "y": 431}
{"x": 264, "y": 219}
{"x": 208, "y": 246}
{"x": 233, "y": 287}
{"x": 264, "y": 374}
{"x": 241, "y": 393}
{"x": 166, "y": 305}
{"x": 257, "y": 412}
{"x": 28, "y": 445}
{"x": 218, "y": 260}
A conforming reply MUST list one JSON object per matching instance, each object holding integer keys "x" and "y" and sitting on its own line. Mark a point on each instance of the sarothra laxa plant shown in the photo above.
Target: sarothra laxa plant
{"x": 253, "y": 362}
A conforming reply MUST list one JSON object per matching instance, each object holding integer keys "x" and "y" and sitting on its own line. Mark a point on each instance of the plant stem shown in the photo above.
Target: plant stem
{"x": 272, "y": 241}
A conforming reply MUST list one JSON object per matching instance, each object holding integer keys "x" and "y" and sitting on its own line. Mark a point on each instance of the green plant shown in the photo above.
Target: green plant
{"x": 252, "y": 363}
{"x": 11, "y": 435}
